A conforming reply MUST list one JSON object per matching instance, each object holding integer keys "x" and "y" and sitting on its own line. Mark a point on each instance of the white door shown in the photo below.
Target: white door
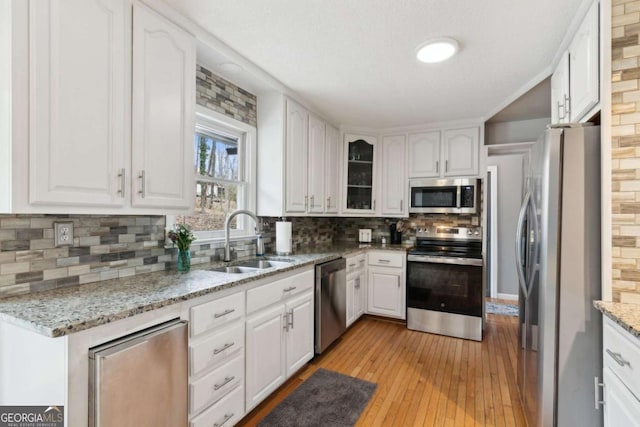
{"x": 164, "y": 59}
{"x": 332, "y": 169}
{"x": 351, "y": 298}
{"x": 265, "y": 356}
{"x": 560, "y": 106}
{"x": 461, "y": 148}
{"x": 424, "y": 155}
{"x": 316, "y": 172}
{"x": 360, "y": 295}
{"x": 296, "y": 158}
{"x": 384, "y": 292}
{"x": 393, "y": 182}
{"x": 584, "y": 68}
{"x": 621, "y": 408}
{"x": 79, "y": 80}
{"x": 300, "y": 333}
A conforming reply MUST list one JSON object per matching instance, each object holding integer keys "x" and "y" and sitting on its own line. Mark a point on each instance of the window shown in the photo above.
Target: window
{"x": 224, "y": 164}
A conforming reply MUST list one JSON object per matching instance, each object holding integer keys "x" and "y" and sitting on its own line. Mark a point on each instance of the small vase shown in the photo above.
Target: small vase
{"x": 184, "y": 260}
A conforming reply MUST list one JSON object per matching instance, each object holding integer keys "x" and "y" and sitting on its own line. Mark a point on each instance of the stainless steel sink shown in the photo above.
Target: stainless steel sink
{"x": 235, "y": 269}
{"x": 263, "y": 263}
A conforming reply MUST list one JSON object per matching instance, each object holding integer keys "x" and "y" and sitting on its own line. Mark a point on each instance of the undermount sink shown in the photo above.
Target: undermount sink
{"x": 252, "y": 265}
{"x": 263, "y": 263}
{"x": 234, "y": 270}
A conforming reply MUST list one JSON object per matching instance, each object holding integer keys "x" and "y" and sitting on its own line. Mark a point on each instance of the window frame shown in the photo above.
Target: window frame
{"x": 206, "y": 118}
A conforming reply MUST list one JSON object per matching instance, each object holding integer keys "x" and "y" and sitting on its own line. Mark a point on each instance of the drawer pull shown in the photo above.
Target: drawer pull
{"x": 226, "y": 381}
{"x": 290, "y": 289}
{"x": 384, "y": 261}
{"x": 351, "y": 265}
{"x": 223, "y": 348}
{"x": 618, "y": 358}
{"x": 224, "y": 313}
{"x": 227, "y": 417}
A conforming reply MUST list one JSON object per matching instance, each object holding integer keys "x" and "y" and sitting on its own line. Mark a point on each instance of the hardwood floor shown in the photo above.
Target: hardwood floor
{"x": 423, "y": 379}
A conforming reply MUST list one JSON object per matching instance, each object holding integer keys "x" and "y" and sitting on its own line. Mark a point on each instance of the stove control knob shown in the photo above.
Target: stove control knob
{"x": 469, "y": 231}
{"x": 477, "y": 232}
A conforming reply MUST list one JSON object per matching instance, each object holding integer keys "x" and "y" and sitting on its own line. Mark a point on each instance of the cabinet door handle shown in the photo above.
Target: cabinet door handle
{"x": 226, "y": 418}
{"x": 596, "y": 385}
{"x": 223, "y": 348}
{"x": 618, "y": 358}
{"x": 437, "y": 166}
{"x": 285, "y": 317}
{"x": 122, "y": 177}
{"x": 226, "y": 381}
{"x": 357, "y": 283}
{"x": 312, "y": 201}
{"x": 224, "y": 313}
{"x": 306, "y": 202}
{"x": 142, "y": 178}
{"x": 446, "y": 165}
{"x": 290, "y": 289}
{"x": 401, "y": 205}
{"x": 328, "y": 202}
{"x": 374, "y": 204}
{"x": 290, "y": 321}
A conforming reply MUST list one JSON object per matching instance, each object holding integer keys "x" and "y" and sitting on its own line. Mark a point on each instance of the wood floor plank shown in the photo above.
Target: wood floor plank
{"x": 423, "y": 379}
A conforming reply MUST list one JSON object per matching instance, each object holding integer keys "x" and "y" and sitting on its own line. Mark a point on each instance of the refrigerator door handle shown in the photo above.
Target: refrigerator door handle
{"x": 519, "y": 258}
{"x": 534, "y": 258}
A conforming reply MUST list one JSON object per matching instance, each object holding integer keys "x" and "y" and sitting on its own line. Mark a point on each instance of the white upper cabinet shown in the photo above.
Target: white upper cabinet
{"x": 163, "y": 112}
{"x": 103, "y": 96}
{"x": 575, "y": 83}
{"x": 560, "y": 91}
{"x": 296, "y": 157}
{"x": 460, "y": 148}
{"x": 78, "y": 102}
{"x": 584, "y": 66}
{"x": 316, "y": 171}
{"x": 360, "y": 153}
{"x": 332, "y": 168}
{"x": 393, "y": 182}
{"x": 424, "y": 155}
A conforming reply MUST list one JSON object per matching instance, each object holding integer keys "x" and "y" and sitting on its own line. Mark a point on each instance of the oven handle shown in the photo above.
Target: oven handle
{"x": 444, "y": 260}
{"x": 519, "y": 259}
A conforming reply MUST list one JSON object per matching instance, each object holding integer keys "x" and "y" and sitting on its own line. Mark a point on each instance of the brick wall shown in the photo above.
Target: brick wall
{"x": 625, "y": 144}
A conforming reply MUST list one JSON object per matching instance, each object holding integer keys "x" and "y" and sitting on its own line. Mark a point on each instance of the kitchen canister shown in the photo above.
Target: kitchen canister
{"x": 283, "y": 237}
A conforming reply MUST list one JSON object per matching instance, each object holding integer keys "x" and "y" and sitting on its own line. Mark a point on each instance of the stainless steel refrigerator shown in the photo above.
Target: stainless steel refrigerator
{"x": 558, "y": 253}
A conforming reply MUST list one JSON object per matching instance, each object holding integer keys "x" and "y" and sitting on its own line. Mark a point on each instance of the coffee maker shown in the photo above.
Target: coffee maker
{"x": 395, "y": 235}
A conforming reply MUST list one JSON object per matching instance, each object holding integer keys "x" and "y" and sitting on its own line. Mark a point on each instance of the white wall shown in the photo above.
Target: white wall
{"x": 510, "y": 171}
{"x": 516, "y": 131}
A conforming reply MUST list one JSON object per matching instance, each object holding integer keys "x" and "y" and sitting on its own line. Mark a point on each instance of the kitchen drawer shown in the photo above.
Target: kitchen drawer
{"x": 621, "y": 354}
{"x": 216, "y": 384}
{"x": 227, "y": 412}
{"x": 387, "y": 258}
{"x": 271, "y": 293}
{"x": 356, "y": 262}
{"x": 216, "y": 313}
{"x": 216, "y": 349}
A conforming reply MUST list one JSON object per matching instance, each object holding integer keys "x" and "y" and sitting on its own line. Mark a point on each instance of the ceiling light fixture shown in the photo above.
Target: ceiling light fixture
{"x": 437, "y": 50}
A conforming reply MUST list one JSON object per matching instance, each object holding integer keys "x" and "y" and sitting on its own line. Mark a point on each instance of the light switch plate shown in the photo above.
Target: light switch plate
{"x": 63, "y": 233}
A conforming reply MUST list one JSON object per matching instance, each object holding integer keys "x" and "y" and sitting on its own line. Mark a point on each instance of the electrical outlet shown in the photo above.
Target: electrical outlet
{"x": 63, "y": 233}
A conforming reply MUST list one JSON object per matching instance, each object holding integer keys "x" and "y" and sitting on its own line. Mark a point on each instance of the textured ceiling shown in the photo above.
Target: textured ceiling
{"x": 354, "y": 61}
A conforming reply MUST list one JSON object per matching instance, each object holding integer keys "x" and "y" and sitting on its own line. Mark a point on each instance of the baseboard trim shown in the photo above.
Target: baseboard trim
{"x": 512, "y": 297}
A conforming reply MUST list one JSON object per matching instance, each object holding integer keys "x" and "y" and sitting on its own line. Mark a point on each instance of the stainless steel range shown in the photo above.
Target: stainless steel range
{"x": 444, "y": 282}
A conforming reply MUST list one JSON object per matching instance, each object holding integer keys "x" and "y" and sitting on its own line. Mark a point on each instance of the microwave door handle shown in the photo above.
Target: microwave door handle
{"x": 458, "y": 196}
{"x": 519, "y": 258}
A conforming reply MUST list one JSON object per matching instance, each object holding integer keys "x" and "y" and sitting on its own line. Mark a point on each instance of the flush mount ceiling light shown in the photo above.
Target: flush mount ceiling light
{"x": 437, "y": 50}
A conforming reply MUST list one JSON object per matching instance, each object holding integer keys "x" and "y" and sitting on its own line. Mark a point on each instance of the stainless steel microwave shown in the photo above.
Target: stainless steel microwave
{"x": 460, "y": 196}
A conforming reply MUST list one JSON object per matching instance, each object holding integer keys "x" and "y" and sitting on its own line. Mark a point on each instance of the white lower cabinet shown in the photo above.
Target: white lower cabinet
{"x": 621, "y": 356}
{"x": 228, "y": 411}
{"x": 356, "y": 287}
{"x": 386, "y": 284}
{"x": 279, "y": 333}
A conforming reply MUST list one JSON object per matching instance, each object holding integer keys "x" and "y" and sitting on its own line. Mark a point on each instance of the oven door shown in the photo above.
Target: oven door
{"x": 451, "y": 285}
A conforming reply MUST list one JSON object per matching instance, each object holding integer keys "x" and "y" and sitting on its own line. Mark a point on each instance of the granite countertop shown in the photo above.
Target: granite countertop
{"x": 626, "y": 315}
{"x": 64, "y": 311}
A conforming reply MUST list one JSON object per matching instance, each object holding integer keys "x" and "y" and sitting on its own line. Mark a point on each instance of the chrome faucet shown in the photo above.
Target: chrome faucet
{"x": 227, "y": 223}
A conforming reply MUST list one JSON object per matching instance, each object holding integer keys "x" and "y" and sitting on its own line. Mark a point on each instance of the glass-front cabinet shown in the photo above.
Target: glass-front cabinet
{"x": 360, "y": 174}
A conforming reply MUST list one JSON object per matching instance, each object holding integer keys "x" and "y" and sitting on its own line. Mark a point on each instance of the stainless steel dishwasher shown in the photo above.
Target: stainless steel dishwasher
{"x": 140, "y": 379}
{"x": 331, "y": 302}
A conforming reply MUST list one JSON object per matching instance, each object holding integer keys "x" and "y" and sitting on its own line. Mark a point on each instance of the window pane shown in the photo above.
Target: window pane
{"x": 217, "y": 156}
{"x": 214, "y": 201}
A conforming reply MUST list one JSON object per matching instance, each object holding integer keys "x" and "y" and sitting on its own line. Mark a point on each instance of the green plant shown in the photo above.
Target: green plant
{"x": 181, "y": 236}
